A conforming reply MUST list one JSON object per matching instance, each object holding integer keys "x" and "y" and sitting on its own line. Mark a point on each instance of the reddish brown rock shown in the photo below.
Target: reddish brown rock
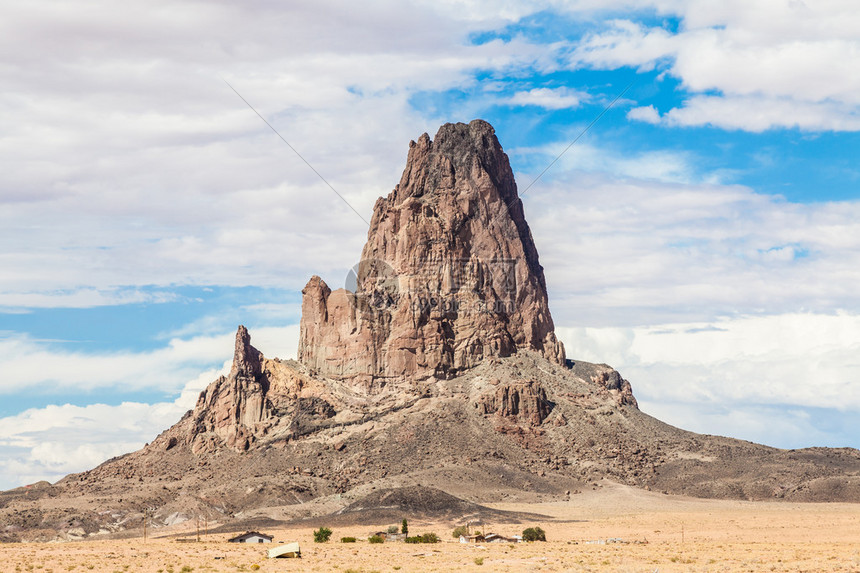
{"x": 231, "y": 406}
{"x": 620, "y": 388}
{"x": 449, "y": 274}
{"x": 523, "y": 402}
{"x": 258, "y": 398}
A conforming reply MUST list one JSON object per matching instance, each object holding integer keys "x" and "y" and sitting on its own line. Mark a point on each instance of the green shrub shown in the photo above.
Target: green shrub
{"x": 479, "y": 560}
{"x": 425, "y": 538}
{"x": 460, "y": 530}
{"x": 534, "y": 534}
{"x": 376, "y": 539}
{"x": 347, "y": 539}
{"x": 322, "y": 534}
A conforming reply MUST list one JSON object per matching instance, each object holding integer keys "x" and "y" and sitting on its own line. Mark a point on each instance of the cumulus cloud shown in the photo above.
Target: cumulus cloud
{"x": 648, "y": 114}
{"x": 763, "y": 378}
{"x": 129, "y": 161}
{"x": 620, "y": 251}
{"x": 49, "y": 442}
{"x": 756, "y": 113}
{"x": 661, "y": 165}
{"x": 164, "y": 369}
{"x": 82, "y": 298}
{"x": 549, "y": 98}
{"x": 773, "y": 64}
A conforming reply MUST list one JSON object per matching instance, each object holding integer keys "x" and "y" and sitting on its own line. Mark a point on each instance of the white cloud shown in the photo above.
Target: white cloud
{"x": 666, "y": 166}
{"x": 549, "y": 98}
{"x": 128, "y": 161}
{"x": 648, "y": 114}
{"x": 49, "y": 442}
{"x": 632, "y": 252}
{"x": 164, "y": 369}
{"x": 756, "y": 113}
{"x": 82, "y": 298}
{"x": 755, "y": 377}
{"x": 773, "y": 63}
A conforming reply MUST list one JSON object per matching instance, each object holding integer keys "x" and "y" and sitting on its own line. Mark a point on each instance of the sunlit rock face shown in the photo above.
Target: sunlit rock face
{"x": 448, "y": 277}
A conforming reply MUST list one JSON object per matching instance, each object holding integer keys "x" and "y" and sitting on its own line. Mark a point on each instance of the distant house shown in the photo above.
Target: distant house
{"x": 478, "y": 538}
{"x": 284, "y": 551}
{"x": 496, "y": 538}
{"x": 252, "y": 537}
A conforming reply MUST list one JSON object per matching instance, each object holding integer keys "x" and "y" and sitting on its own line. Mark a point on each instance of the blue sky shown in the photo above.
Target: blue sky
{"x": 701, "y": 237}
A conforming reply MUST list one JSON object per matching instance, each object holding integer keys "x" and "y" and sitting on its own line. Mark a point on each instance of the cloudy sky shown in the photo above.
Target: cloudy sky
{"x": 702, "y": 237}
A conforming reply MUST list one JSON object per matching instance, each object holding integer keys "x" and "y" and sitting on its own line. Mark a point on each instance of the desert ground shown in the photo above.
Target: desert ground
{"x": 656, "y": 532}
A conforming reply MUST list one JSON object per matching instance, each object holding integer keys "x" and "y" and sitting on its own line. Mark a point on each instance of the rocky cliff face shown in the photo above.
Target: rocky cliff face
{"x": 448, "y": 277}
{"x": 259, "y": 399}
{"x": 232, "y": 406}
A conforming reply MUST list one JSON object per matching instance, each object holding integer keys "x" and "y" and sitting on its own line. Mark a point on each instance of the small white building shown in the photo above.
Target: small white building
{"x": 252, "y": 537}
{"x": 496, "y": 538}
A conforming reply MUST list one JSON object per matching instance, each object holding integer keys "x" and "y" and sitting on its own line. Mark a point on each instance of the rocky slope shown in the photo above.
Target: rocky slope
{"x": 440, "y": 370}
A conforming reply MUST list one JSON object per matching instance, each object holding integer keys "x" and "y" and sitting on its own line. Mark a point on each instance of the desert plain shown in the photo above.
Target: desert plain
{"x": 612, "y": 528}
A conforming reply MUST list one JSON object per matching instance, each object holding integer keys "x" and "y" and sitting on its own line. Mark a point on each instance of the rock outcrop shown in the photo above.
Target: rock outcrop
{"x": 232, "y": 406}
{"x": 524, "y": 402}
{"x": 449, "y": 274}
{"x": 259, "y": 399}
{"x": 617, "y": 386}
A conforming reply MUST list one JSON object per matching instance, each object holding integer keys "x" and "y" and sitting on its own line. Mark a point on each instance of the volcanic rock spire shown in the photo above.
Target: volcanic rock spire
{"x": 231, "y": 406}
{"x": 449, "y": 274}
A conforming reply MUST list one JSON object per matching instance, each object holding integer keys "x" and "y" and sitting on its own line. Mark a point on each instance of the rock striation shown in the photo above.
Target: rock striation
{"x": 448, "y": 277}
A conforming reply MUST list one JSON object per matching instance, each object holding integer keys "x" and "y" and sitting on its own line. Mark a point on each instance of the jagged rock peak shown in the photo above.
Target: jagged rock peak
{"x": 449, "y": 275}
{"x": 229, "y": 408}
{"x": 247, "y": 360}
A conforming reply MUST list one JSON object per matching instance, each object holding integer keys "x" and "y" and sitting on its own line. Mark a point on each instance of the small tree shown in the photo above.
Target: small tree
{"x": 322, "y": 534}
{"x": 376, "y": 539}
{"x": 429, "y": 538}
{"x": 460, "y": 530}
{"x": 404, "y": 528}
{"x": 393, "y": 529}
{"x": 423, "y": 538}
{"x": 534, "y": 534}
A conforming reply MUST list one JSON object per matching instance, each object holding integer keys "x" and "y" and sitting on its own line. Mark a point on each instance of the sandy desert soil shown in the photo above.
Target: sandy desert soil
{"x": 658, "y": 533}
